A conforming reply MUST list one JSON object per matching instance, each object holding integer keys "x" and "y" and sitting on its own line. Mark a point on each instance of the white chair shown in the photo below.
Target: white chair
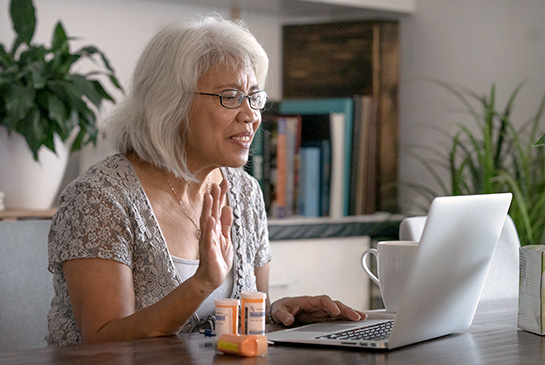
{"x": 26, "y": 286}
{"x": 503, "y": 278}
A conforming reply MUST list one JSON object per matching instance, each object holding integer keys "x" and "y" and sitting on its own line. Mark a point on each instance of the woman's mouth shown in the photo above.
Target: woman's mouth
{"x": 242, "y": 139}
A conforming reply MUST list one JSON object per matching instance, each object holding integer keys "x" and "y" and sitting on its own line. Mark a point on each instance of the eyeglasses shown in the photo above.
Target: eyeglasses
{"x": 232, "y": 99}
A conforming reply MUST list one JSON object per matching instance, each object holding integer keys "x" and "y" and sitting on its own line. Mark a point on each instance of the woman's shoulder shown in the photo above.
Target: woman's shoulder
{"x": 112, "y": 175}
{"x": 113, "y": 166}
{"x": 114, "y": 169}
{"x": 239, "y": 179}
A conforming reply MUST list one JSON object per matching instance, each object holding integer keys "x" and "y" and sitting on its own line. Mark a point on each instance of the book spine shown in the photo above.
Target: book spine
{"x": 309, "y": 197}
{"x": 325, "y": 177}
{"x": 268, "y": 160}
{"x": 338, "y": 197}
{"x": 258, "y": 157}
{"x": 293, "y": 134}
{"x": 281, "y": 169}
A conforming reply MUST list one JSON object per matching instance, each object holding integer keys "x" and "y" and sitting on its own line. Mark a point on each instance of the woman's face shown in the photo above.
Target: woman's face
{"x": 221, "y": 136}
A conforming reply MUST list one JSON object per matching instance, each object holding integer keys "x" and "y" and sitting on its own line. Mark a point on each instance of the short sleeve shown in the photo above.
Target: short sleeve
{"x": 263, "y": 254}
{"x": 91, "y": 222}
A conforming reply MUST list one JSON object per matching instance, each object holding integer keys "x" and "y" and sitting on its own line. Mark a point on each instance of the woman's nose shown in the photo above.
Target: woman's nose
{"x": 247, "y": 114}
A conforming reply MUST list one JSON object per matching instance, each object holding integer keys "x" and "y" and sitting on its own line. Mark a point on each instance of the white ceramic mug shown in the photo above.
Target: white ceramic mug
{"x": 394, "y": 261}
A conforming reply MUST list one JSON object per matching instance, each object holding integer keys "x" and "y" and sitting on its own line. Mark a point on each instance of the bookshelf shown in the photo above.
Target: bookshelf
{"x": 355, "y": 58}
{"x": 356, "y": 79}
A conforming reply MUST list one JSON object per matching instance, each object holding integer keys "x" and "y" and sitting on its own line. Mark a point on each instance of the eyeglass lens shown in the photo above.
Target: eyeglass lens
{"x": 234, "y": 98}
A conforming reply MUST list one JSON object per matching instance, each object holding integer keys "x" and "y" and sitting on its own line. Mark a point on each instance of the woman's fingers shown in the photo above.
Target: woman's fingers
{"x": 282, "y": 311}
{"x": 226, "y": 221}
{"x": 336, "y": 309}
{"x": 216, "y": 203}
{"x": 218, "y": 193}
{"x": 205, "y": 216}
{"x": 223, "y": 187}
{"x": 313, "y": 309}
{"x": 327, "y": 304}
{"x": 350, "y": 313}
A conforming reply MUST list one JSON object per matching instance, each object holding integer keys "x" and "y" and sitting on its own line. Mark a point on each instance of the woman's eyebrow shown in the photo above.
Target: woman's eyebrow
{"x": 237, "y": 86}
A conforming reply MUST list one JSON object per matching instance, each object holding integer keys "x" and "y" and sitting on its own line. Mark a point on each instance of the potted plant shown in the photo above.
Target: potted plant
{"x": 44, "y": 106}
{"x": 498, "y": 156}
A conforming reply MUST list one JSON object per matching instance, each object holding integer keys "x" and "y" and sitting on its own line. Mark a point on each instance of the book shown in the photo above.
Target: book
{"x": 339, "y": 192}
{"x": 324, "y": 145}
{"x": 308, "y": 200}
{"x": 256, "y": 159}
{"x": 371, "y": 176}
{"x": 275, "y": 162}
{"x": 363, "y": 186}
{"x": 269, "y": 135}
{"x": 281, "y": 169}
{"x": 355, "y": 163}
{"x": 337, "y": 106}
{"x": 293, "y": 143}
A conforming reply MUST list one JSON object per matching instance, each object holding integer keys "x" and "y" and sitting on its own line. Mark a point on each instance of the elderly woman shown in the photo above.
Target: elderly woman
{"x": 147, "y": 239}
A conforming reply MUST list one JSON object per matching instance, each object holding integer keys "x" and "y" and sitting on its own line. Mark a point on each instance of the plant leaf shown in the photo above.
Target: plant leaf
{"x": 37, "y": 75}
{"x": 5, "y": 58}
{"x": 23, "y": 17}
{"x": 540, "y": 141}
{"x": 88, "y": 51}
{"x": 32, "y": 131}
{"x": 19, "y": 101}
{"x": 58, "y": 113}
{"x": 60, "y": 40}
{"x": 87, "y": 88}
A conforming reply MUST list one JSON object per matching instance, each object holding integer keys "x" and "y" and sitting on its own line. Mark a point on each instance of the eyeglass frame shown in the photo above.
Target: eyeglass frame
{"x": 220, "y": 95}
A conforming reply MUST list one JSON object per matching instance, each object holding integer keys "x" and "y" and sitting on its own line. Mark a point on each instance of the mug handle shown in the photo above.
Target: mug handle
{"x": 372, "y": 251}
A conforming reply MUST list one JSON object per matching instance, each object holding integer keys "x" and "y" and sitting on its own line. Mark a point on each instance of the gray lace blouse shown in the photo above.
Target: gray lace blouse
{"x": 105, "y": 213}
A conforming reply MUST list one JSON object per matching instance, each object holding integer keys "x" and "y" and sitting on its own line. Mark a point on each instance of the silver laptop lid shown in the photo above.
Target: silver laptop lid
{"x": 449, "y": 271}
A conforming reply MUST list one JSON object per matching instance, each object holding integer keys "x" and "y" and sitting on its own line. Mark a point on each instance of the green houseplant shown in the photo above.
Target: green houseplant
{"x": 40, "y": 94}
{"x": 42, "y": 98}
{"x": 499, "y": 156}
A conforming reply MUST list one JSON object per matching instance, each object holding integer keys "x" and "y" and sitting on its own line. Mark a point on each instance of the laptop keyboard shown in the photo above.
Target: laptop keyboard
{"x": 379, "y": 331}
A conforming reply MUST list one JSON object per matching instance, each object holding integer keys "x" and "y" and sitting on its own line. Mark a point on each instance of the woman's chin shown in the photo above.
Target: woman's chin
{"x": 237, "y": 162}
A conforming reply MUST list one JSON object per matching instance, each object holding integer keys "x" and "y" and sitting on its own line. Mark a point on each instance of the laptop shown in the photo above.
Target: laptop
{"x": 443, "y": 288}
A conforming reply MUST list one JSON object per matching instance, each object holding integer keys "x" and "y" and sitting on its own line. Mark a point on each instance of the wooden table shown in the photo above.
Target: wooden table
{"x": 492, "y": 339}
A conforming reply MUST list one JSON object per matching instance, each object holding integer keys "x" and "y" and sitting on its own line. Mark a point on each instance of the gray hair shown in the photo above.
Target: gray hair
{"x": 152, "y": 121}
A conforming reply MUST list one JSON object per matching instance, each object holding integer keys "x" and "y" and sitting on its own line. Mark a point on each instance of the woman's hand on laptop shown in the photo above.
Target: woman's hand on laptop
{"x": 307, "y": 309}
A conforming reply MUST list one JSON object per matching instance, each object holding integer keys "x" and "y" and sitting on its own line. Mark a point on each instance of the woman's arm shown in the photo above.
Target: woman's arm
{"x": 102, "y": 292}
{"x": 102, "y": 298}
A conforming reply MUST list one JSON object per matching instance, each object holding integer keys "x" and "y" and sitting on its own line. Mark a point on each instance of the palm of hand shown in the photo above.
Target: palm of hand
{"x": 221, "y": 250}
{"x": 215, "y": 248}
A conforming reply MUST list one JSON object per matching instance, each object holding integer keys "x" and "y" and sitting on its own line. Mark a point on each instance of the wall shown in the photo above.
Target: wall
{"x": 471, "y": 43}
{"x": 121, "y": 28}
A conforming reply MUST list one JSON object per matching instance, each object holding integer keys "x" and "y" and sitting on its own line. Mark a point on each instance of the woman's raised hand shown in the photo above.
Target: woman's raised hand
{"x": 215, "y": 248}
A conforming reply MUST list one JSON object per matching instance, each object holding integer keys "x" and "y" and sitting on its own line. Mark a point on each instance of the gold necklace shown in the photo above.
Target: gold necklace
{"x": 185, "y": 210}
